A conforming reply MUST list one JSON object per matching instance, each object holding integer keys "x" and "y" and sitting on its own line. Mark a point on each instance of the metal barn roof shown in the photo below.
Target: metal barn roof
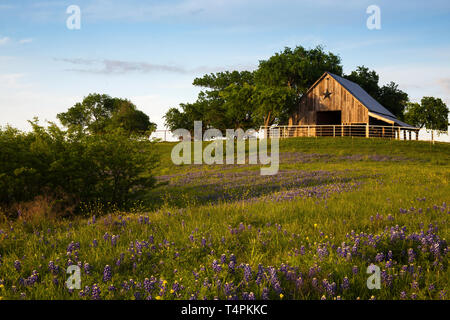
{"x": 369, "y": 102}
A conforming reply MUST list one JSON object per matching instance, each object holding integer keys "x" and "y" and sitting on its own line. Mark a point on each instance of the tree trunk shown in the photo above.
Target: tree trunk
{"x": 266, "y": 125}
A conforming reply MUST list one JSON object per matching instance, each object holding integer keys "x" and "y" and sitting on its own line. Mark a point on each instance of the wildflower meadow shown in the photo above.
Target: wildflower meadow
{"x": 225, "y": 232}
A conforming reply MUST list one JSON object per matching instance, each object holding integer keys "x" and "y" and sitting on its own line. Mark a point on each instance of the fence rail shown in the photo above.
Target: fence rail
{"x": 363, "y": 130}
{"x": 389, "y": 132}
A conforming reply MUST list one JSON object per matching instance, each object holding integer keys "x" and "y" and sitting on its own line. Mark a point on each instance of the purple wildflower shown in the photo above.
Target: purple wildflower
{"x": 96, "y": 292}
{"x": 107, "y": 274}
{"x": 17, "y": 265}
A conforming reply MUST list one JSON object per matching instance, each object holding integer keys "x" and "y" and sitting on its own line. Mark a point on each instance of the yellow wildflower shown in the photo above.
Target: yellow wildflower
{"x": 281, "y": 296}
{"x": 158, "y": 297}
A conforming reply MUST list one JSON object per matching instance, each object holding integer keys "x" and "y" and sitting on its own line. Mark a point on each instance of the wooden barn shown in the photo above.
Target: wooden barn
{"x": 335, "y": 106}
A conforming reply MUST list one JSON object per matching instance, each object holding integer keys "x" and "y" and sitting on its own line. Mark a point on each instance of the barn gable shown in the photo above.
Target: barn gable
{"x": 335, "y": 100}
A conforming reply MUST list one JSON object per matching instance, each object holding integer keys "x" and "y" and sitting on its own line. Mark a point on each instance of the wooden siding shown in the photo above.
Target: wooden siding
{"x": 352, "y": 111}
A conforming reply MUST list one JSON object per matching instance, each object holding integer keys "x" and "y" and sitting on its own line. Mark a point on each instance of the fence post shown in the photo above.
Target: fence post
{"x": 334, "y": 131}
{"x": 367, "y": 130}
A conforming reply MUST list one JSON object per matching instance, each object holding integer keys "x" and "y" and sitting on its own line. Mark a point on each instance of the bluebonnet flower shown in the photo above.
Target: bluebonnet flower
{"x": 302, "y": 250}
{"x": 379, "y": 257}
{"x": 87, "y": 268}
{"x": 265, "y": 294}
{"x": 17, "y": 265}
{"x": 114, "y": 240}
{"x": 107, "y": 274}
{"x": 96, "y": 292}
{"x": 54, "y": 269}
{"x": 247, "y": 273}
{"x": 231, "y": 267}
{"x": 73, "y": 246}
{"x": 345, "y": 283}
{"x": 355, "y": 270}
{"x": 216, "y": 266}
{"x": 31, "y": 279}
{"x": 260, "y": 275}
{"x": 411, "y": 255}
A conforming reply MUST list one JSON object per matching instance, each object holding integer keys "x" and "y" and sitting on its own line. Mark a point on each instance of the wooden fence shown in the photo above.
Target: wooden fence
{"x": 363, "y": 130}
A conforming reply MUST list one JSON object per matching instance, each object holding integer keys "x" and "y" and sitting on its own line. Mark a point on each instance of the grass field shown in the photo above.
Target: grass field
{"x": 310, "y": 232}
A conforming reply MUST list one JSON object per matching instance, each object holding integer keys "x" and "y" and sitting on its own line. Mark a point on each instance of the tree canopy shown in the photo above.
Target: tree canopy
{"x": 431, "y": 113}
{"x": 99, "y": 113}
{"x": 389, "y": 95}
{"x": 244, "y": 99}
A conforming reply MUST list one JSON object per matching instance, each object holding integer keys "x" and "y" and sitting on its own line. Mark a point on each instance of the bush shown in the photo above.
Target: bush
{"x": 73, "y": 166}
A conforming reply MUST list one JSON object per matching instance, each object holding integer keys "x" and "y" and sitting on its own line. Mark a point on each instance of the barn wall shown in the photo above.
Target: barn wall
{"x": 351, "y": 109}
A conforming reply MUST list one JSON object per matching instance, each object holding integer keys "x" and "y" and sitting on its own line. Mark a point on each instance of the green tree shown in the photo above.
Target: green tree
{"x": 297, "y": 68}
{"x": 393, "y": 99}
{"x": 98, "y": 113}
{"x": 220, "y": 80}
{"x": 238, "y": 106}
{"x": 431, "y": 113}
{"x": 367, "y": 79}
{"x": 287, "y": 75}
{"x": 123, "y": 165}
{"x": 273, "y": 103}
{"x": 225, "y": 103}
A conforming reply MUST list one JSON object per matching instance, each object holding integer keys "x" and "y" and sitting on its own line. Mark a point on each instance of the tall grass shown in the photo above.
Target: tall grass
{"x": 224, "y": 232}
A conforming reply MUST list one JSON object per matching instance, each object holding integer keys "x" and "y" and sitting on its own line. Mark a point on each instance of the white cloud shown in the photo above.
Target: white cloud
{"x": 12, "y": 80}
{"x": 4, "y": 41}
{"x": 119, "y": 67}
{"x": 24, "y": 41}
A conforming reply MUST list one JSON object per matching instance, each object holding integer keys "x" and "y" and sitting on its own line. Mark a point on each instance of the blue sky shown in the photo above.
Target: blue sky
{"x": 150, "y": 51}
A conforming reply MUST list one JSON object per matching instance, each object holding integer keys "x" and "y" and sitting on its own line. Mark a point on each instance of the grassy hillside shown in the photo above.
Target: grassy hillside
{"x": 309, "y": 232}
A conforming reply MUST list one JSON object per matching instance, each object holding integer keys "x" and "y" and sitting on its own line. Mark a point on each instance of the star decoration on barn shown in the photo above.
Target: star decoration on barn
{"x": 326, "y": 94}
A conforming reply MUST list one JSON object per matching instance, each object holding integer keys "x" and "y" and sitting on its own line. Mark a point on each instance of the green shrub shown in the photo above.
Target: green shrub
{"x": 79, "y": 167}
